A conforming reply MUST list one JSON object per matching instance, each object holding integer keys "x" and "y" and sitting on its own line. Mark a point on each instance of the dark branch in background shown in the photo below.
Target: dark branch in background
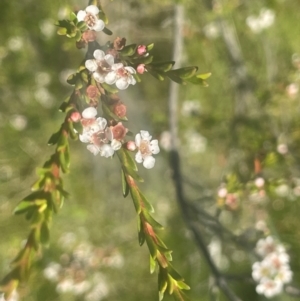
{"x": 175, "y": 165}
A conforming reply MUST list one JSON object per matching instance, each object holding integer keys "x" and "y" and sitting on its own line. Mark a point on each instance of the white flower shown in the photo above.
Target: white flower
{"x": 89, "y": 16}
{"x": 100, "y": 66}
{"x": 97, "y": 134}
{"x": 285, "y": 274}
{"x": 51, "y": 272}
{"x": 262, "y": 270}
{"x": 269, "y": 288}
{"x": 222, "y": 192}
{"x": 259, "y": 182}
{"x": 146, "y": 148}
{"x": 282, "y": 149}
{"x": 81, "y": 287}
{"x": 65, "y": 286}
{"x": 265, "y": 246}
{"x": 121, "y": 76}
{"x": 267, "y": 17}
{"x": 277, "y": 260}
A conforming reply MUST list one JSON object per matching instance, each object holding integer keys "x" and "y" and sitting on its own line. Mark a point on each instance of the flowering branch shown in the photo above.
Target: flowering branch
{"x": 114, "y": 63}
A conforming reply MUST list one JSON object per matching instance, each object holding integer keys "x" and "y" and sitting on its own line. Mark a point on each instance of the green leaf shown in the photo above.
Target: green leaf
{"x": 109, "y": 88}
{"x": 82, "y": 26}
{"x": 150, "y": 47}
{"x": 162, "y": 282}
{"x": 126, "y": 159}
{"x": 204, "y": 75}
{"x": 163, "y": 66}
{"x": 45, "y": 233}
{"x": 72, "y": 78}
{"x": 23, "y": 206}
{"x": 145, "y": 203}
{"x": 141, "y": 236}
{"x": 197, "y": 81}
{"x": 176, "y": 79}
{"x": 152, "y": 221}
{"x": 152, "y": 265}
{"x": 125, "y": 187}
{"x": 151, "y": 246}
{"x": 156, "y": 74}
{"x": 183, "y": 285}
{"x": 136, "y": 199}
{"x": 72, "y": 16}
{"x": 54, "y": 138}
{"x": 185, "y": 72}
{"x": 107, "y": 31}
{"x": 61, "y": 31}
{"x": 128, "y": 50}
{"x": 145, "y": 60}
{"x": 174, "y": 273}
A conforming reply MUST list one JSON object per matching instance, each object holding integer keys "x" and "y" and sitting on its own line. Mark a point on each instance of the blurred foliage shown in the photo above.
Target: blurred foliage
{"x": 216, "y": 141}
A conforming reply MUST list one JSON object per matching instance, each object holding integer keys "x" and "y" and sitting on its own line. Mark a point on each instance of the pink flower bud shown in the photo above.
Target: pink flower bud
{"x": 75, "y": 116}
{"x": 141, "y": 68}
{"x": 89, "y": 36}
{"x": 119, "y": 109}
{"x": 92, "y": 92}
{"x": 118, "y": 131}
{"x": 141, "y": 50}
{"x": 130, "y": 145}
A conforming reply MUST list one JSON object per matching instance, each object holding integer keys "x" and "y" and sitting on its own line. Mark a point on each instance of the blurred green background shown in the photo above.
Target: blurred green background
{"x": 249, "y": 112}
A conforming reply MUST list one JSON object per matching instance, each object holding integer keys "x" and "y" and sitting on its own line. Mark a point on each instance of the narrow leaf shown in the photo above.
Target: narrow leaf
{"x": 125, "y": 187}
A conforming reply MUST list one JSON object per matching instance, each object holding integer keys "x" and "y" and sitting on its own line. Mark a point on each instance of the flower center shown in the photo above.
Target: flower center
{"x": 103, "y": 66}
{"x": 145, "y": 149}
{"x": 90, "y": 20}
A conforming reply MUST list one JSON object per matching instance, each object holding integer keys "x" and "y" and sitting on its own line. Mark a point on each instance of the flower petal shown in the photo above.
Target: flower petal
{"x": 99, "y": 77}
{"x": 99, "y": 26}
{"x": 93, "y": 149}
{"x": 91, "y": 65}
{"x": 149, "y": 162}
{"x": 115, "y": 144}
{"x": 154, "y": 147}
{"x": 92, "y": 9}
{"x": 85, "y": 137}
{"x": 109, "y": 59}
{"x": 99, "y": 54}
{"x": 117, "y": 66}
{"x": 145, "y": 135}
{"x": 102, "y": 122}
{"x": 106, "y": 151}
{"x": 122, "y": 83}
{"x": 81, "y": 15}
{"x": 111, "y": 78}
{"x": 138, "y": 139}
{"x": 89, "y": 113}
{"x": 138, "y": 157}
{"x": 130, "y": 69}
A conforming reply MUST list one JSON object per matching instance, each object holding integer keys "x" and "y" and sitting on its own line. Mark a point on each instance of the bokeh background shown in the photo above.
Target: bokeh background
{"x": 248, "y": 115}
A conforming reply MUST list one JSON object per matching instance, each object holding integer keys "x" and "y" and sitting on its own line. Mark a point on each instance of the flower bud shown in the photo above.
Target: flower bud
{"x": 92, "y": 92}
{"x": 141, "y": 49}
{"x": 89, "y": 36}
{"x": 141, "y": 68}
{"x": 75, "y": 116}
{"x": 130, "y": 145}
{"x": 119, "y": 131}
{"x": 119, "y": 109}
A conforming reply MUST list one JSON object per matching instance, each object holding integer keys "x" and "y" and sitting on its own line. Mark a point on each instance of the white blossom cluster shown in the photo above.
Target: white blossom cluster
{"x": 106, "y": 71}
{"x": 77, "y": 273}
{"x": 102, "y": 140}
{"x": 273, "y": 271}
{"x": 264, "y": 20}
